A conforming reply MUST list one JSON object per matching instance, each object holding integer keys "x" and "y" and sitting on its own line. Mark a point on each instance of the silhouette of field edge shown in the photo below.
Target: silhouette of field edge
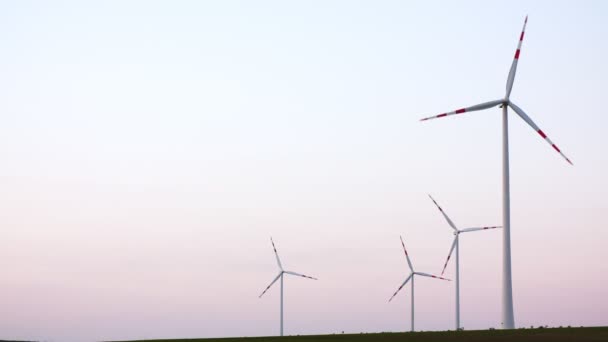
{"x": 523, "y": 335}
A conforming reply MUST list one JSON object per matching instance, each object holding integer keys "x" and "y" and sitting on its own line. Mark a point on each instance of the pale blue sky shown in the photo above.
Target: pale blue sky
{"x": 149, "y": 150}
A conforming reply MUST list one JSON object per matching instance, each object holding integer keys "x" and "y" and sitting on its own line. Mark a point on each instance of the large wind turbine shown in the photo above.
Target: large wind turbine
{"x": 411, "y": 276}
{"x": 455, "y": 246}
{"x": 508, "y": 319}
{"x": 282, "y": 272}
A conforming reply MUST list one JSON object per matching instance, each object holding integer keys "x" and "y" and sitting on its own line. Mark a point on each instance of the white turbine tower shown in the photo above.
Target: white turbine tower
{"x": 282, "y": 272}
{"x": 508, "y": 319}
{"x": 411, "y": 276}
{"x": 455, "y": 246}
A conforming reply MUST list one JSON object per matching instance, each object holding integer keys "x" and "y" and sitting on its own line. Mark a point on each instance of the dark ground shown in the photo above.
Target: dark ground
{"x": 523, "y": 335}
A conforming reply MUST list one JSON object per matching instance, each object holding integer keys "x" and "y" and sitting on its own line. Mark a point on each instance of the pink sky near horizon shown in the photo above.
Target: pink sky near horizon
{"x": 150, "y": 150}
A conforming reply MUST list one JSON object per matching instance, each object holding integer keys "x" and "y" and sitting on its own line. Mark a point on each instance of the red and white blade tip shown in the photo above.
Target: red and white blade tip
{"x": 458, "y": 111}
{"x": 521, "y": 39}
{"x": 432, "y": 199}
{"x": 446, "y": 264}
{"x": 544, "y": 136}
{"x": 474, "y": 108}
{"x": 432, "y": 276}
{"x": 403, "y": 244}
{"x": 449, "y": 254}
{"x": 305, "y": 276}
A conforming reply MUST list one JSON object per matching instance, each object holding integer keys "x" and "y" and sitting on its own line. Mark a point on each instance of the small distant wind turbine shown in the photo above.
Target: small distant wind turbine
{"x": 280, "y": 275}
{"x": 508, "y": 317}
{"x": 411, "y": 276}
{"x": 455, "y": 245}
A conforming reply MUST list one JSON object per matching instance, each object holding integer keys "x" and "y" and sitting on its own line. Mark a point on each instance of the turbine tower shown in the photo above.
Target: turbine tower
{"x": 455, "y": 246}
{"x": 411, "y": 276}
{"x": 508, "y": 320}
{"x": 282, "y": 272}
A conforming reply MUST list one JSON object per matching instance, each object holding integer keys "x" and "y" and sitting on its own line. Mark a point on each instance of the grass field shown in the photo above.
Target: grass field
{"x": 524, "y": 335}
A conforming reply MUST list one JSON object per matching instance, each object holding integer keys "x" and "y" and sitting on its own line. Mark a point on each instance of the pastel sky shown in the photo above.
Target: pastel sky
{"x": 150, "y": 149}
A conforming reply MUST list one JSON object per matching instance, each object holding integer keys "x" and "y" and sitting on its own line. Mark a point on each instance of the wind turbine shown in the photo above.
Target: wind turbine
{"x": 508, "y": 319}
{"x": 282, "y": 272}
{"x": 455, "y": 246}
{"x": 411, "y": 276}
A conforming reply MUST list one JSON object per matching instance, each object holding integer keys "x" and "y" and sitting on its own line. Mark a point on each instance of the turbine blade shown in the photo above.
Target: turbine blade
{"x": 480, "y": 106}
{"x": 449, "y": 254}
{"x": 276, "y": 254}
{"x": 529, "y": 121}
{"x": 432, "y": 276}
{"x": 511, "y": 77}
{"x": 402, "y": 285}
{"x": 444, "y": 214}
{"x": 406, "y": 256}
{"x": 274, "y": 281}
{"x": 480, "y": 228}
{"x": 300, "y": 275}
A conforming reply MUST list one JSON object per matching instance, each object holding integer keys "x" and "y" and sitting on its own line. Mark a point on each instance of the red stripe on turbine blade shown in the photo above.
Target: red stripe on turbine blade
{"x": 461, "y": 111}
{"x": 517, "y": 54}
{"x": 522, "y": 36}
{"x": 446, "y": 264}
{"x": 442, "y": 115}
{"x": 557, "y": 149}
{"x": 542, "y": 134}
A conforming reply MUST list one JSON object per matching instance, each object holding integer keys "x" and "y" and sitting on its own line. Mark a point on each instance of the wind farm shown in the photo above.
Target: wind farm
{"x": 151, "y": 150}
